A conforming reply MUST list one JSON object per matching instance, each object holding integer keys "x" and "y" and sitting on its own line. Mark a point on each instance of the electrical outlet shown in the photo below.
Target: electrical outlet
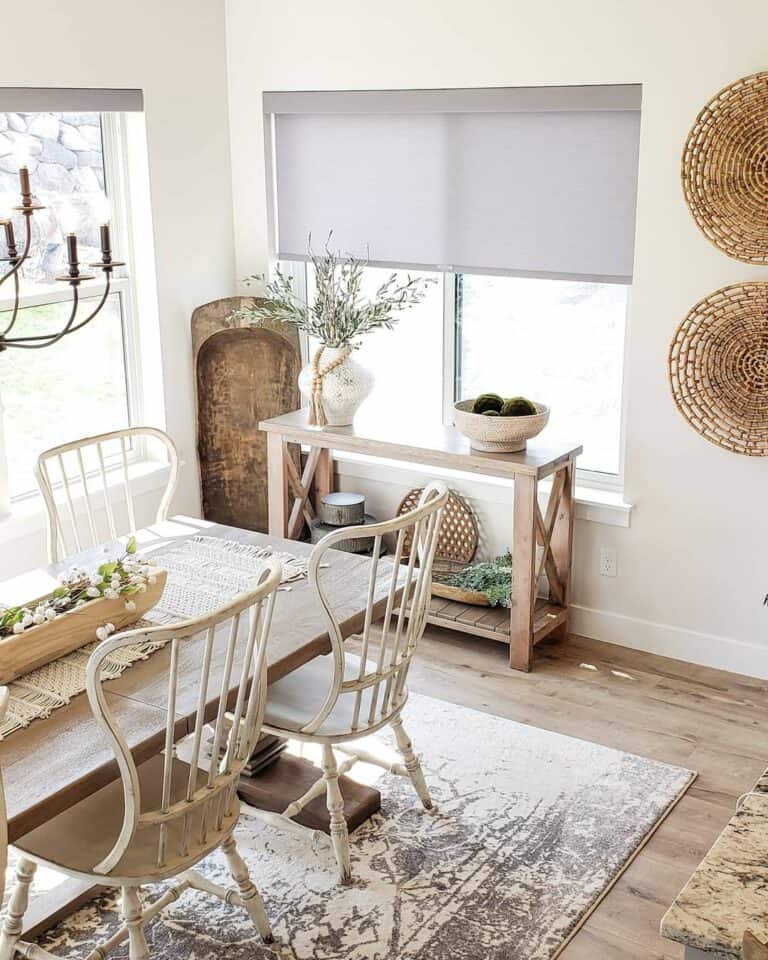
{"x": 608, "y": 562}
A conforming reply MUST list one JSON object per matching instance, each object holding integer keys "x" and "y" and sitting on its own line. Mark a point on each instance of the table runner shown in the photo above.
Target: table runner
{"x": 203, "y": 574}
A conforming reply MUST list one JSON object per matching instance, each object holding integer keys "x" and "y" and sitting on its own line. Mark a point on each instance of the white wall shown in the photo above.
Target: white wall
{"x": 175, "y": 52}
{"x": 692, "y": 571}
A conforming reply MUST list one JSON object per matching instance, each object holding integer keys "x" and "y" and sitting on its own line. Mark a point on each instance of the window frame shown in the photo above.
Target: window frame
{"x": 117, "y": 189}
{"x": 297, "y": 271}
{"x": 596, "y": 479}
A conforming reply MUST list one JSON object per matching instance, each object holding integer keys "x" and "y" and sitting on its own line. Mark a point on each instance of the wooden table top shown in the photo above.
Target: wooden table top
{"x": 54, "y": 763}
{"x": 428, "y": 443}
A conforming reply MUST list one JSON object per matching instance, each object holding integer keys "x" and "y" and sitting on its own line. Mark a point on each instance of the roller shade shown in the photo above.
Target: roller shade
{"x": 533, "y": 181}
{"x": 68, "y": 100}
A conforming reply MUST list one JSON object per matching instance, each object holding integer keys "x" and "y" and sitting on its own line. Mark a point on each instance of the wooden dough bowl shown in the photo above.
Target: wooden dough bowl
{"x": 21, "y": 653}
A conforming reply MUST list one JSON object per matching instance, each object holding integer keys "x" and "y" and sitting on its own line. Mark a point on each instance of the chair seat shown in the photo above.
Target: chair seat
{"x": 79, "y": 838}
{"x": 295, "y": 700}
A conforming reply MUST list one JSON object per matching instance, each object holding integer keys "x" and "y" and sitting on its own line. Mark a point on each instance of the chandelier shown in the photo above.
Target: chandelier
{"x": 28, "y": 207}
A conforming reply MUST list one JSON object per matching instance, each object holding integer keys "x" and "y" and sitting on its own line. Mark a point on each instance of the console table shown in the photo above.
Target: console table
{"x": 530, "y": 619}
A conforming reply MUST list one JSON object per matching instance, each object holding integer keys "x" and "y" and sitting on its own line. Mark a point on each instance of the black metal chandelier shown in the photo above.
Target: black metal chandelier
{"x": 28, "y": 207}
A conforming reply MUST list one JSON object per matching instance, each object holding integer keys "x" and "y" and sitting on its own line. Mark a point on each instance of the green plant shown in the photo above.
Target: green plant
{"x": 339, "y": 314}
{"x": 518, "y": 407}
{"x": 493, "y": 579}
{"x": 491, "y": 413}
{"x": 486, "y": 402}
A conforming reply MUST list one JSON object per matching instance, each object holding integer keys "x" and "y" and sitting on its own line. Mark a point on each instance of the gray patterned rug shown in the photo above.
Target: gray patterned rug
{"x": 532, "y": 829}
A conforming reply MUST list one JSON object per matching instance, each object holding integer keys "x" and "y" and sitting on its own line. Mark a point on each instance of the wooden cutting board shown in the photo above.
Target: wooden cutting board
{"x": 243, "y": 375}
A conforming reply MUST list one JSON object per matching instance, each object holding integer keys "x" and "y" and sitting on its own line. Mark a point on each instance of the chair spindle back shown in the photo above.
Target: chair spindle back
{"x": 73, "y": 478}
{"x": 3, "y": 815}
{"x": 379, "y": 687}
{"x": 192, "y": 814}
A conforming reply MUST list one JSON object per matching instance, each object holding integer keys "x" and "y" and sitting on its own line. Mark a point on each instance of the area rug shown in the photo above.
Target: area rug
{"x": 532, "y": 830}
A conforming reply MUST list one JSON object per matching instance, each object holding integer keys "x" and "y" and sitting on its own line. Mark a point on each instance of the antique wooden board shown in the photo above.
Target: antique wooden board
{"x": 243, "y": 374}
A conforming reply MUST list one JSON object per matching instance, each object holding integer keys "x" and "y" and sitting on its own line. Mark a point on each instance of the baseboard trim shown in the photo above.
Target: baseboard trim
{"x": 705, "y": 649}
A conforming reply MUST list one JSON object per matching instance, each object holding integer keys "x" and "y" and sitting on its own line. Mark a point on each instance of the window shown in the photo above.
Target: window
{"x": 520, "y": 200}
{"x": 556, "y": 341}
{"x": 84, "y": 384}
{"x": 560, "y": 342}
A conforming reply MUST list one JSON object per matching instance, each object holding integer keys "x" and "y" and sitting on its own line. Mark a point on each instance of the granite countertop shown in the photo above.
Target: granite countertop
{"x": 728, "y": 893}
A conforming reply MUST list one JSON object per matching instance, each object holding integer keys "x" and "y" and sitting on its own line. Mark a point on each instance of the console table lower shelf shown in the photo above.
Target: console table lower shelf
{"x": 495, "y": 623}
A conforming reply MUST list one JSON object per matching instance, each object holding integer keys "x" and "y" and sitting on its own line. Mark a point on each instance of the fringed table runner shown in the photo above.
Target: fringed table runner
{"x": 203, "y": 574}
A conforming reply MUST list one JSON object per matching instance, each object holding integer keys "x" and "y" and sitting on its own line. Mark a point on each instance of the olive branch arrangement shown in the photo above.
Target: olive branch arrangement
{"x": 124, "y": 577}
{"x": 339, "y": 314}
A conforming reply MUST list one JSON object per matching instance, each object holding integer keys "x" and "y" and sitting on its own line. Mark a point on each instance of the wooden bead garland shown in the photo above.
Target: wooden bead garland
{"x": 317, "y": 417}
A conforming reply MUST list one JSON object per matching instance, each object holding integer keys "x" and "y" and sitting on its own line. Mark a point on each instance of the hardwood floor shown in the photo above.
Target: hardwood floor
{"x": 713, "y": 722}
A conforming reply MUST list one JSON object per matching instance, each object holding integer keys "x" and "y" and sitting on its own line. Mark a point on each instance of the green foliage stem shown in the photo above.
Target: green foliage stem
{"x": 493, "y": 579}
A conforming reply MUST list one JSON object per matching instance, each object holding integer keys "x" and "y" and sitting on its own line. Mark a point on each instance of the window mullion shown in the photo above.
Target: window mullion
{"x": 451, "y": 385}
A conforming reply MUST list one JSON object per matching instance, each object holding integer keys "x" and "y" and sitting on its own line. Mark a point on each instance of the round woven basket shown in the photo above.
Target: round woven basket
{"x": 457, "y": 540}
{"x": 725, "y": 169}
{"x": 718, "y": 368}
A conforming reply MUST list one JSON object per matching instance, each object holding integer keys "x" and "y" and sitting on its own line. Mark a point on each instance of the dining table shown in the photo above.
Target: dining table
{"x": 55, "y": 762}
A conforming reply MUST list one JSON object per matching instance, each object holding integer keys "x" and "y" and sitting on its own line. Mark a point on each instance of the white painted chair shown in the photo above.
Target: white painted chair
{"x": 340, "y": 698}
{"x": 161, "y": 818}
{"x": 80, "y": 471}
{"x": 3, "y": 821}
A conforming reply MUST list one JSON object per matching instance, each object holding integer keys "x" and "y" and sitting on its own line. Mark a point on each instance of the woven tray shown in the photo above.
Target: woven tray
{"x": 458, "y": 529}
{"x": 456, "y": 546}
{"x": 441, "y": 570}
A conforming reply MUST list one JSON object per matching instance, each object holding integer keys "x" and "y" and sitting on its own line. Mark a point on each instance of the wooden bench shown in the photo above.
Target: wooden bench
{"x": 728, "y": 893}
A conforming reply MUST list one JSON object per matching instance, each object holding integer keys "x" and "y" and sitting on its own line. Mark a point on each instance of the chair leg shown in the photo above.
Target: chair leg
{"x": 335, "y": 804}
{"x": 17, "y": 907}
{"x": 249, "y": 894}
{"x": 133, "y": 915}
{"x": 412, "y": 765}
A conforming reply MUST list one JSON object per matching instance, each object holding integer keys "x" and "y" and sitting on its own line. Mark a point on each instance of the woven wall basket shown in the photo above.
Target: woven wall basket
{"x": 725, "y": 169}
{"x": 718, "y": 368}
{"x": 458, "y": 537}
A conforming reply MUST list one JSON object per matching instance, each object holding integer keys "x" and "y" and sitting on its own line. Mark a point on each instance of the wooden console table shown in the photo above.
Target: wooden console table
{"x": 530, "y": 618}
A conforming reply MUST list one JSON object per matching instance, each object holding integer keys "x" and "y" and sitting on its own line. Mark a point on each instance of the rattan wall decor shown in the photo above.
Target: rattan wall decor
{"x": 718, "y": 368}
{"x": 725, "y": 169}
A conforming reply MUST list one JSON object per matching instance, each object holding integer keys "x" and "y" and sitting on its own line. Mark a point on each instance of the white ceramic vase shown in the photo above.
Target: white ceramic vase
{"x": 344, "y": 388}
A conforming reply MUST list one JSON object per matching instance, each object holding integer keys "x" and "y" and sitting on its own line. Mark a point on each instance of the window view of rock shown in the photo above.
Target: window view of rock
{"x": 64, "y": 154}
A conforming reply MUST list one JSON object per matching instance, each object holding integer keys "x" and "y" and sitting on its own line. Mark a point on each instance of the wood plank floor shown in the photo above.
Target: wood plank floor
{"x": 713, "y": 722}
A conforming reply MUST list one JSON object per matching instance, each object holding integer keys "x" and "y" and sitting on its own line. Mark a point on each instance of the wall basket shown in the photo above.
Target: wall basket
{"x": 718, "y": 368}
{"x": 725, "y": 169}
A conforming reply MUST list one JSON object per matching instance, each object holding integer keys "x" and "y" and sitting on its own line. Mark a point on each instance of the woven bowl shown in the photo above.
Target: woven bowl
{"x": 498, "y": 434}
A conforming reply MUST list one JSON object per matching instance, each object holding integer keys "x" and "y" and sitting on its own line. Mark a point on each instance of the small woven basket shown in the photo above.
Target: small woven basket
{"x": 456, "y": 545}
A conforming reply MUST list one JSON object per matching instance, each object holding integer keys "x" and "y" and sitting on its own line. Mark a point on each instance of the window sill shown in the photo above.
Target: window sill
{"x": 593, "y": 504}
{"x": 28, "y": 514}
{"x": 598, "y": 505}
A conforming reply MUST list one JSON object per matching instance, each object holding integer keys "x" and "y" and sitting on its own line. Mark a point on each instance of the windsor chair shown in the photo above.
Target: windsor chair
{"x": 3, "y": 821}
{"x": 161, "y": 818}
{"x": 336, "y": 699}
{"x": 78, "y": 471}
